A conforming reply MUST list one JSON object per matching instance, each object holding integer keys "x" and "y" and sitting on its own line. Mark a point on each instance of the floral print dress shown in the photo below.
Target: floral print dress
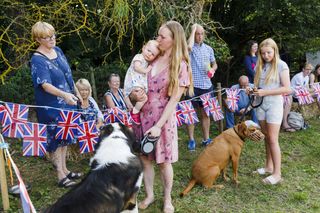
{"x": 166, "y": 150}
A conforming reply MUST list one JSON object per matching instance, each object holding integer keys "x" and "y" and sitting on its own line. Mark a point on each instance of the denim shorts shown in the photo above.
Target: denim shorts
{"x": 198, "y": 92}
{"x": 271, "y": 109}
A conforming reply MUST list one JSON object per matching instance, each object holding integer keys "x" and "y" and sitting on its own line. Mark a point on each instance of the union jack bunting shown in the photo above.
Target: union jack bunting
{"x": 316, "y": 88}
{"x": 179, "y": 116}
{"x": 4, "y": 116}
{"x": 303, "y": 95}
{"x": 215, "y": 109}
{"x": 232, "y": 99}
{"x": 35, "y": 139}
{"x": 205, "y": 102}
{"x": 188, "y": 112}
{"x": 87, "y": 136}
{"x": 114, "y": 115}
{"x": 18, "y": 116}
{"x": 285, "y": 100}
{"x": 67, "y": 126}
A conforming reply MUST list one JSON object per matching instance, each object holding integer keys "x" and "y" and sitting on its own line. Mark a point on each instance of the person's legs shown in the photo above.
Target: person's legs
{"x": 64, "y": 159}
{"x": 286, "y": 110}
{"x": 166, "y": 174}
{"x": 56, "y": 160}
{"x": 205, "y": 124}
{"x": 229, "y": 119}
{"x": 148, "y": 179}
{"x": 268, "y": 164}
{"x": 274, "y": 149}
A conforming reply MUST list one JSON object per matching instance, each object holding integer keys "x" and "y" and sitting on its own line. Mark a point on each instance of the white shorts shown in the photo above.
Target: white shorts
{"x": 271, "y": 109}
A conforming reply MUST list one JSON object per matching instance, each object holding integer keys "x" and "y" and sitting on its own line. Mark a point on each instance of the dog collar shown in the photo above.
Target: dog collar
{"x": 234, "y": 128}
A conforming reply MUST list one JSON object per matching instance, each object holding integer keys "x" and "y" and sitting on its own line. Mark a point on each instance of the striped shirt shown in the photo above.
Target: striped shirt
{"x": 201, "y": 56}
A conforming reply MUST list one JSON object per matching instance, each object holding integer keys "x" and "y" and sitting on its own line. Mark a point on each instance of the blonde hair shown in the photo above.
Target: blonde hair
{"x": 273, "y": 74}
{"x": 179, "y": 53}
{"x": 84, "y": 83}
{"x": 153, "y": 42}
{"x": 42, "y": 30}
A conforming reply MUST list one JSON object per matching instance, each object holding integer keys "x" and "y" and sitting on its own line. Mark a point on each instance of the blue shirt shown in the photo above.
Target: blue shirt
{"x": 250, "y": 63}
{"x": 57, "y": 73}
{"x": 201, "y": 56}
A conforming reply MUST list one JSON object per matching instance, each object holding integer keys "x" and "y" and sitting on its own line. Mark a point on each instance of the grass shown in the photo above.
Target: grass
{"x": 298, "y": 193}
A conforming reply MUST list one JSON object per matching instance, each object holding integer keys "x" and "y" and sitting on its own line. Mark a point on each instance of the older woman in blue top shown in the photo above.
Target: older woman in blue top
{"x": 54, "y": 87}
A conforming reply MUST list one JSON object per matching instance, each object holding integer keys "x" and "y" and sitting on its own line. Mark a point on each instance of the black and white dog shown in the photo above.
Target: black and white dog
{"x": 113, "y": 183}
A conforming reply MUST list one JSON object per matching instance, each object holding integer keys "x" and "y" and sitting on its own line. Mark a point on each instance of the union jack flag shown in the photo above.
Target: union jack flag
{"x": 205, "y": 102}
{"x": 303, "y": 95}
{"x": 35, "y": 140}
{"x": 67, "y": 126}
{"x": 87, "y": 136}
{"x": 232, "y": 99}
{"x": 4, "y": 116}
{"x": 286, "y": 100}
{"x": 215, "y": 109}
{"x": 188, "y": 112}
{"x": 179, "y": 116}
{"x": 114, "y": 115}
{"x": 18, "y": 116}
{"x": 316, "y": 88}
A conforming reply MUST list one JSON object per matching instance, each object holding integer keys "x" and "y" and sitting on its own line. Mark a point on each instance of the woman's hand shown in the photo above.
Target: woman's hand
{"x": 69, "y": 98}
{"x": 154, "y": 131}
{"x": 260, "y": 92}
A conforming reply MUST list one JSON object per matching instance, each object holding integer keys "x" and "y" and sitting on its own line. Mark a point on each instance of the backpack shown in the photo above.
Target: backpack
{"x": 296, "y": 121}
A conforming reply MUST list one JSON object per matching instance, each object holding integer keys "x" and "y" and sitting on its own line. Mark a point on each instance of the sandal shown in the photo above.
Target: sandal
{"x": 74, "y": 175}
{"x": 66, "y": 183}
{"x": 262, "y": 171}
{"x": 270, "y": 180}
{"x": 290, "y": 129}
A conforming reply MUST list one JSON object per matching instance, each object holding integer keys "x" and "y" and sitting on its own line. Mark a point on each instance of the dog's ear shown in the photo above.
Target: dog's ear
{"x": 242, "y": 130}
{"x": 128, "y": 133}
{"x": 105, "y": 131}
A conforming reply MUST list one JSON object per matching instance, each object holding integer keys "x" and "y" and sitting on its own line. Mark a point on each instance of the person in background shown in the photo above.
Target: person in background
{"x": 300, "y": 79}
{"x": 250, "y": 59}
{"x": 89, "y": 107}
{"x": 54, "y": 87}
{"x": 137, "y": 77}
{"x": 315, "y": 76}
{"x": 114, "y": 96}
{"x": 272, "y": 80}
{"x": 168, "y": 79}
{"x": 242, "y": 102}
{"x": 203, "y": 65}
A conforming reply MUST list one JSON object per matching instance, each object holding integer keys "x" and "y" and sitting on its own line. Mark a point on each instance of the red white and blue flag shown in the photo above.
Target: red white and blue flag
{"x": 179, "y": 116}
{"x": 5, "y": 118}
{"x": 316, "y": 88}
{"x": 87, "y": 136}
{"x": 188, "y": 112}
{"x": 205, "y": 102}
{"x": 18, "y": 116}
{"x": 232, "y": 99}
{"x": 35, "y": 140}
{"x": 67, "y": 126}
{"x": 286, "y": 99}
{"x": 303, "y": 95}
{"x": 114, "y": 115}
{"x": 215, "y": 109}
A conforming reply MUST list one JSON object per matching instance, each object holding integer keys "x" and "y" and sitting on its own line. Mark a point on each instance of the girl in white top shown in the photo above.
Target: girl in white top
{"x": 136, "y": 77}
{"x": 272, "y": 80}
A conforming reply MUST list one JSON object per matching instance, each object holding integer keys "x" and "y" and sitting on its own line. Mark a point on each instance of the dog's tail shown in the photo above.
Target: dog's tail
{"x": 189, "y": 187}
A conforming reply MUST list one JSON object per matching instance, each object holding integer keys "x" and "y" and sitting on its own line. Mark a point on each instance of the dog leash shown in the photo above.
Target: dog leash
{"x": 251, "y": 102}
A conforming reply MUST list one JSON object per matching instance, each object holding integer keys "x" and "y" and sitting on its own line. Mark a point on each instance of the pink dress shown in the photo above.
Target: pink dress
{"x": 167, "y": 146}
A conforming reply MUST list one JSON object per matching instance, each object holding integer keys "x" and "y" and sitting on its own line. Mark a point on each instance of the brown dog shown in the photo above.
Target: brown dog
{"x": 215, "y": 157}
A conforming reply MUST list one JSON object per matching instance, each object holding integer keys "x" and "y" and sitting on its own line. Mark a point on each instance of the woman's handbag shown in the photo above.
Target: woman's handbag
{"x": 148, "y": 143}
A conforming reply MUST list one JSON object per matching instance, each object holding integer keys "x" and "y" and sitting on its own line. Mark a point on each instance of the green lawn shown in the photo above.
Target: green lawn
{"x": 299, "y": 192}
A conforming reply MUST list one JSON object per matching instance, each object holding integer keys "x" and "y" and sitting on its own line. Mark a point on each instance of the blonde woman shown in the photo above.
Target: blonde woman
{"x": 54, "y": 87}
{"x": 168, "y": 79}
{"x": 272, "y": 80}
{"x": 89, "y": 106}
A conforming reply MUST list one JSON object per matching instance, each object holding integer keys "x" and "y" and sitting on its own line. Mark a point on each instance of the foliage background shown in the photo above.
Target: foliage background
{"x": 102, "y": 36}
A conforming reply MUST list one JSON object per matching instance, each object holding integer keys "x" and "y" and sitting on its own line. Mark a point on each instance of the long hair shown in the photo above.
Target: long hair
{"x": 178, "y": 54}
{"x": 317, "y": 76}
{"x": 273, "y": 74}
{"x": 249, "y": 46}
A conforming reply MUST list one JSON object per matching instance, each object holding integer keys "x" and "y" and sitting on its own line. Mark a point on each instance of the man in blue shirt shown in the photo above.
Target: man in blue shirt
{"x": 242, "y": 102}
{"x": 203, "y": 64}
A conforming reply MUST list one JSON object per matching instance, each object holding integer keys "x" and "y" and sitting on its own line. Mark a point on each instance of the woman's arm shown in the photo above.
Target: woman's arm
{"x": 169, "y": 109}
{"x": 109, "y": 101}
{"x": 68, "y": 97}
{"x": 77, "y": 93}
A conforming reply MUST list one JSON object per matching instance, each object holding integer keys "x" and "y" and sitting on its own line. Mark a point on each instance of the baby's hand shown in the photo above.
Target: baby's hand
{"x": 149, "y": 68}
